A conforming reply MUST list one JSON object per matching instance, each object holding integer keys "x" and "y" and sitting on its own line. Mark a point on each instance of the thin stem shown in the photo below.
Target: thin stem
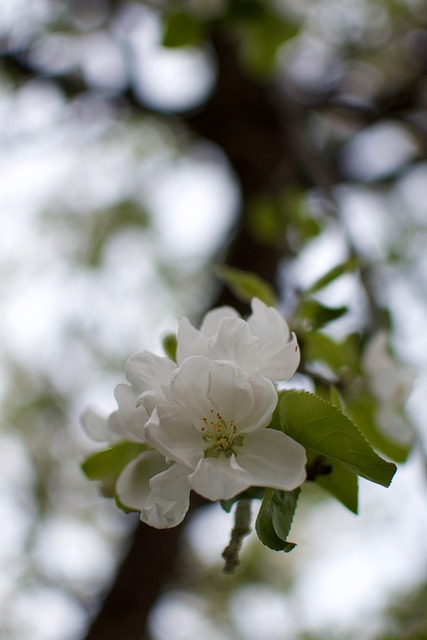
{"x": 242, "y": 520}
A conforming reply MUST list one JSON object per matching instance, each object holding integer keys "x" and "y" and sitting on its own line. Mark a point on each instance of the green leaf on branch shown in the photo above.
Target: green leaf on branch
{"x": 247, "y": 285}
{"x": 321, "y": 427}
{"x": 275, "y": 519}
{"x": 110, "y": 463}
{"x": 333, "y": 274}
{"x": 316, "y": 314}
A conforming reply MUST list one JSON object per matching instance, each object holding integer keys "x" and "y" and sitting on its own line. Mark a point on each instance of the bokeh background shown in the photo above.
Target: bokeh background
{"x": 142, "y": 144}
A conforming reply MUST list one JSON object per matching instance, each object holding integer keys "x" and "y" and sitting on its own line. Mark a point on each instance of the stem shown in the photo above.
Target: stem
{"x": 242, "y": 528}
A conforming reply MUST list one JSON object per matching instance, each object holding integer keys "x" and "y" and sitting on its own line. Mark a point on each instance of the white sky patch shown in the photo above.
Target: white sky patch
{"x": 193, "y": 203}
{"x": 378, "y": 151}
{"x": 367, "y": 216}
{"x": 165, "y": 78}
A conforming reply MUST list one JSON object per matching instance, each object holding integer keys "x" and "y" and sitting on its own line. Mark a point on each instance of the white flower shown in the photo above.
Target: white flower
{"x": 391, "y": 385}
{"x": 212, "y": 421}
{"x": 140, "y": 486}
{"x": 263, "y": 343}
{"x": 206, "y": 417}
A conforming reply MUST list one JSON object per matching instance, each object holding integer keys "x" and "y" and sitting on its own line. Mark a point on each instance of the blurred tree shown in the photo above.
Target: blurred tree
{"x": 318, "y": 109}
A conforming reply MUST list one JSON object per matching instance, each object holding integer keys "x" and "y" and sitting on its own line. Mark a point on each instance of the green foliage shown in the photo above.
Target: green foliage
{"x": 169, "y": 343}
{"x": 315, "y": 315}
{"x": 362, "y": 409}
{"x": 275, "y": 519}
{"x": 338, "y": 355}
{"x": 340, "y": 483}
{"x": 261, "y": 36}
{"x": 265, "y": 219}
{"x": 181, "y": 29}
{"x": 321, "y": 427}
{"x": 332, "y": 275}
{"x": 246, "y": 285}
{"x": 107, "y": 465}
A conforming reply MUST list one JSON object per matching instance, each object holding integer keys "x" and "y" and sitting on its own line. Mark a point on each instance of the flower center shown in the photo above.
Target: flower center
{"x": 219, "y": 435}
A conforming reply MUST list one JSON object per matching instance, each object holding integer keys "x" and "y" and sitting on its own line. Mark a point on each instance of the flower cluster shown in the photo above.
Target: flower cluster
{"x": 205, "y": 416}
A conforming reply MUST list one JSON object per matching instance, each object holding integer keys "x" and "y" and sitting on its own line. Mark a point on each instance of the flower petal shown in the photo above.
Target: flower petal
{"x": 190, "y": 341}
{"x": 272, "y": 459}
{"x": 233, "y": 341}
{"x": 169, "y": 499}
{"x": 190, "y": 384}
{"x": 230, "y": 392}
{"x": 280, "y": 359}
{"x": 147, "y": 371}
{"x": 97, "y": 428}
{"x": 171, "y": 432}
{"x": 128, "y": 422}
{"x": 266, "y": 323}
{"x": 213, "y": 319}
{"x": 133, "y": 486}
{"x": 219, "y": 478}
{"x": 161, "y": 492}
{"x": 264, "y": 402}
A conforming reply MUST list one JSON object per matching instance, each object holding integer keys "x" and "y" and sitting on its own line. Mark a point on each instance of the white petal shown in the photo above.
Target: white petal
{"x": 133, "y": 486}
{"x": 169, "y": 499}
{"x": 266, "y": 323}
{"x": 190, "y": 341}
{"x": 146, "y": 371}
{"x": 233, "y": 341}
{"x": 272, "y": 459}
{"x": 213, "y": 319}
{"x": 97, "y": 427}
{"x": 161, "y": 492}
{"x": 264, "y": 402}
{"x": 129, "y": 420}
{"x": 219, "y": 478}
{"x": 171, "y": 432}
{"x": 230, "y": 392}
{"x": 190, "y": 384}
{"x": 280, "y": 359}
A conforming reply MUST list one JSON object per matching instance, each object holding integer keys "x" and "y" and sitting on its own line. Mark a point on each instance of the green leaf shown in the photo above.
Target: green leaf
{"x": 109, "y": 463}
{"x": 333, "y": 274}
{"x": 342, "y": 484}
{"x": 320, "y": 426}
{"x": 275, "y": 519}
{"x": 337, "y": 355}
{"x": 246, "y": 285}
{"x": 169, "y": 343}
{"x": 181, "y": 30}
{"x": 316, "y": 315}
{"x": 261, "y": 39}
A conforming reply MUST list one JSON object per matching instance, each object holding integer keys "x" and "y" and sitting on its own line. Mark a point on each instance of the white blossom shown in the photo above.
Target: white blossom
{"x": 391, "y": 385}
{"x": 263, "y": 343}
{"x": 204, "y": 419}
{"x": 140, "y": 485}
{"x": 213, "y": 421}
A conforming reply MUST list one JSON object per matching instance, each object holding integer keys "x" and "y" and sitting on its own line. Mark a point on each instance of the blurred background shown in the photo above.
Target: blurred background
{"x": 142, "y": 145}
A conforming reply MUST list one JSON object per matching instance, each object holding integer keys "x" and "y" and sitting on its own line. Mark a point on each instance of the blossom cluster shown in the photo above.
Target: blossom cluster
{"x": 205, "y": 416}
